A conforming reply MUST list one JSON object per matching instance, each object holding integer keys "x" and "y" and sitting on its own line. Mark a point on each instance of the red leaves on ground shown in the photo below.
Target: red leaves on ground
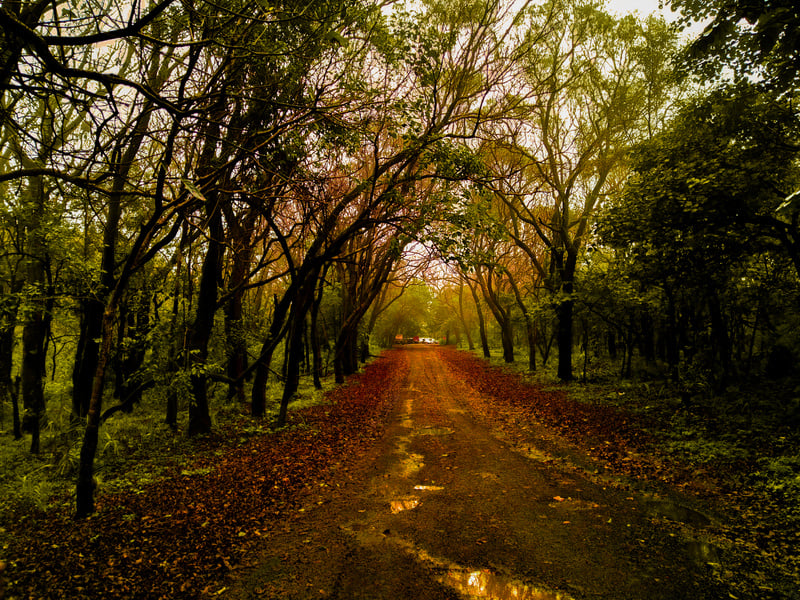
{"x": 179, "y": 537}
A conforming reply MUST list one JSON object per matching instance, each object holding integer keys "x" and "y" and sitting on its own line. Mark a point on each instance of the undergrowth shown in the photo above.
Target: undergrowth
{"x": 751, "y": 429}
{"x": 135, "y": 449}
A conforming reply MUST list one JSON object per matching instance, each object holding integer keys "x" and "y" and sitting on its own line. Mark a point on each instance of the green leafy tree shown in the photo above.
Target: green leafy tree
{"x": 727, "y": 167}
{"x": 706, "y": 195}
{"x": 745, "y": 38}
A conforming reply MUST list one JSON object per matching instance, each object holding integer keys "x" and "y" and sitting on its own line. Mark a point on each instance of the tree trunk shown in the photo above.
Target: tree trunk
{"x": 481, "y": 322}
{"x": 134, "y": 325}
{"x": 294, "y": 350}
{"x": 565, "y": 312}
{"x": 507, "y": 338}
{"x": 720, "y": 343}
{"x": 611, "y": 344}
{"x": 530, "y": 329}
{"x": 258, "y": 398}
{"x": 177, "y": 330}
{"x": 316, "y": 348}
{"x": 545, "y": 341}
{"x": 294, "y": 354}
{"x": 648, "y": 337}
{"x": 344, "y": 354}
{"x": 258, "y": 395}
{"x": 34, "y": 331}
{"x": 672, "y": 335}
{"x": 85, "y": 365}
{"x": 501, "y": 315}
{"x": 17, "y": 423}
{"x": 585, "y": 328}
{"x": 203, "y": 324}
{"x": 237, "y": 348}
{"x": 84, "y": 490}
{"x": 470, "y": 345}
{"x": 8, "y": 323}
{"x": 242, "y": 252}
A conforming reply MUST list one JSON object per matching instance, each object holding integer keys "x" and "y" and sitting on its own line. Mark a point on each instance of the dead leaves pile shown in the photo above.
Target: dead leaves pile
{"x": 180, "y": 537}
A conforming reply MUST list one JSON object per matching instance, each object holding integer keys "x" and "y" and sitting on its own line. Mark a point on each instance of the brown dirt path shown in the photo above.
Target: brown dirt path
{"x": 445, "y": 508}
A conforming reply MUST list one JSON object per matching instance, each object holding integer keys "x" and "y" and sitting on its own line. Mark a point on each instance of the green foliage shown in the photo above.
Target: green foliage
{"x": 704, "y": 190}
{"x": 781, "y": 475}
{"x": 701, "y": 451}
{"x": 700, "y": 229}
{"x": 745, "y": 39}
{"x": 453, "y": 161}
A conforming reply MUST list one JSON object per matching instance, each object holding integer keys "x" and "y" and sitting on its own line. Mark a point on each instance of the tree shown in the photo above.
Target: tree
{"x": 726, "y": 167}
{"x": 38, "y": 136}
{"x": 707, "y": 195}
{"x": 123, "y": 151}
{"x": 493, "y": 281}
{"x": 590, "y": 91}
{"x": 748, "y": 38}
{"x": 364, "y": 270}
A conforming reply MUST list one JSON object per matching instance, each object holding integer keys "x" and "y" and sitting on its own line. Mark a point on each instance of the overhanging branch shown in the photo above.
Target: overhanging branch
{"x": 39, "y": 47}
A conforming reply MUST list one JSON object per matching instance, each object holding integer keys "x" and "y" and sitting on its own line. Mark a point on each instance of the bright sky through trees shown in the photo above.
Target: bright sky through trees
{"x": 645, "y": 7}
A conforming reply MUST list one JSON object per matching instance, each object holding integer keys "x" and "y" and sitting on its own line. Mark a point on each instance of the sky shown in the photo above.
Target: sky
{"x": 645, "y": 7}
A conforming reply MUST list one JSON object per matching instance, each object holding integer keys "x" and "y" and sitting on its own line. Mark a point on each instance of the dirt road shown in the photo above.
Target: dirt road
{"x": 445, "y": 508}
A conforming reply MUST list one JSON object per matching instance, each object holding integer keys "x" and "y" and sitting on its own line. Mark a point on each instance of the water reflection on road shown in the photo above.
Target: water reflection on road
{"x": 483, "y": 584}
{"x": 403, "y": 504}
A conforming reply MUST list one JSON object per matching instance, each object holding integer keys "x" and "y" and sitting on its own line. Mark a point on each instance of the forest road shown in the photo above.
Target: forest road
{"x": 445, "y": 508}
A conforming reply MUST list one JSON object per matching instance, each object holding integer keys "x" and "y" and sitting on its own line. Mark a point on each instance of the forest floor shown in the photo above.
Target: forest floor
{"x": 429, "y": 476}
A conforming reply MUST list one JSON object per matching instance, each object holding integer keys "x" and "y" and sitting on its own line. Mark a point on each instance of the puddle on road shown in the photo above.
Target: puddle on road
{"x": 429, "y": 488}
{"x": 434, "y": 431}
{"x": 411, "y": 463}
{"x": 402, "y": 504}
{"x": 483, "y": 584}
{"x": 535, "y": 454}
{"x": 405, "y": 418}
{"x": 471, "y": 583}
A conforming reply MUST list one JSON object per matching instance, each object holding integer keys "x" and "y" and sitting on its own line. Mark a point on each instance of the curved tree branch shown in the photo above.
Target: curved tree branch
{"x": 105, "y": 36}
{"x": 39, "y": 47}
